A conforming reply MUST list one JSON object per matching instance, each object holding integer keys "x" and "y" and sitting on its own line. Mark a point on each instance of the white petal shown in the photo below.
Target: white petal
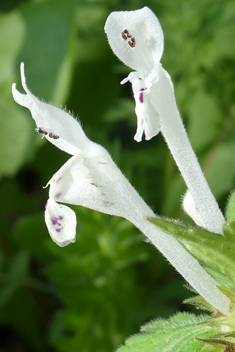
{"x": 191, "y": 209}
{"x": 61, "y": 223}
{"x": 73, "y": 184}
{"x": 58, "y": 123}
{"x": 147, "y": 116}
{"x": 93, "y": 180}
{"x": 144, "y": 43}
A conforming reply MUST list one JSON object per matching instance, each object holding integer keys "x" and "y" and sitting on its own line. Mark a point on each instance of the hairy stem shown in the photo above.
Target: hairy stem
{"x": 177, "y": 140}
{"x": 136, "y": 212}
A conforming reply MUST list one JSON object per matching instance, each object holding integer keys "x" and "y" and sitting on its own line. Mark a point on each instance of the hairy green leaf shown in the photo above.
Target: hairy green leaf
{"x": 181, "y": 333}
{"x": 213, "y": 251}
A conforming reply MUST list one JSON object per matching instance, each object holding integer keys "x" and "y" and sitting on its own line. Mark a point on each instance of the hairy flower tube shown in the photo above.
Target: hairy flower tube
{"x": 91, "y": 179}
{"x": 136, "y": 37}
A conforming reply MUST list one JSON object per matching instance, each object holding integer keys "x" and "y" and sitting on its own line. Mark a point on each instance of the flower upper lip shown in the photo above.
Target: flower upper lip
{"x": 52, "y": 121}
{"x": 144, "y": 27}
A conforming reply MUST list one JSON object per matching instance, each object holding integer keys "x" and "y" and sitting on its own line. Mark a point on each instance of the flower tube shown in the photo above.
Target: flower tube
{"x": 91, "y": 179}
{"x": 136, "y": 37}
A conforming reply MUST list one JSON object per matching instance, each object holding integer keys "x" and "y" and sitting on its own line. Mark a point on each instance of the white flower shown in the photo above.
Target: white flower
{"x": 136, "y": 37}
{"x": 91, "y": 179}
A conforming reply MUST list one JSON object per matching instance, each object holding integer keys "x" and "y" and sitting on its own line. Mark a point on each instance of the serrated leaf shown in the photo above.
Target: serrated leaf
{"x": 177, "y": 334}
{"x": 221, "y": 279}
{"x": 201, "y": 303}
{"x": 213, "y": 251}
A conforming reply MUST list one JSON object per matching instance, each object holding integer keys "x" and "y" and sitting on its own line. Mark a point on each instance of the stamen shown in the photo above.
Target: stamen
{"x": 132, "y": 42}
{"x": 125, "y": 35}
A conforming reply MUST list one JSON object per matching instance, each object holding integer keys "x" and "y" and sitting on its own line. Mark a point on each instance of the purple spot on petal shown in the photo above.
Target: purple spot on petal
{"x": 57, "y": 196}
{"x": 56, "y": 221}
{"x": 140, "y": 79}
{"x": 141, "y": 97}
{"x": 58, "y": 179}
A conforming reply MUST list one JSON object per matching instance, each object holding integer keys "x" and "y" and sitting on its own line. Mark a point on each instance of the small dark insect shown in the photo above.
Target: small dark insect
{"x": 41, "y": 131}
{"x": 125, "y": 35}
{"x": 44, "y": 132}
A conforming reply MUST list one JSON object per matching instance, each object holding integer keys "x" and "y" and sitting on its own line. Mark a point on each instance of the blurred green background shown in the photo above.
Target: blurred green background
{"x": 92, "y": 294}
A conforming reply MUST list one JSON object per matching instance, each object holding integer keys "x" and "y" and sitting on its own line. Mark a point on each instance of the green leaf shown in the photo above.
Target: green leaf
{"x": 213, "y": 251}
{"x": 181, "y": 333}
{"x": 200, "y": 303}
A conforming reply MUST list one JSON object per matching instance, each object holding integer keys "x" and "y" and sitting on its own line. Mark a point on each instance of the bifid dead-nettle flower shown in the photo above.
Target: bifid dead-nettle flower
{"x": 136, "y": 37}
{"x": 91, "y": 179}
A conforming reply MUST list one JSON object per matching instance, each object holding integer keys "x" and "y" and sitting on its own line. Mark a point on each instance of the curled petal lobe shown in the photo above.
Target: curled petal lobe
{"x": 58, "y": 126}
{"x": 61, "y": 223}
{"x": 136, "y": 37}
